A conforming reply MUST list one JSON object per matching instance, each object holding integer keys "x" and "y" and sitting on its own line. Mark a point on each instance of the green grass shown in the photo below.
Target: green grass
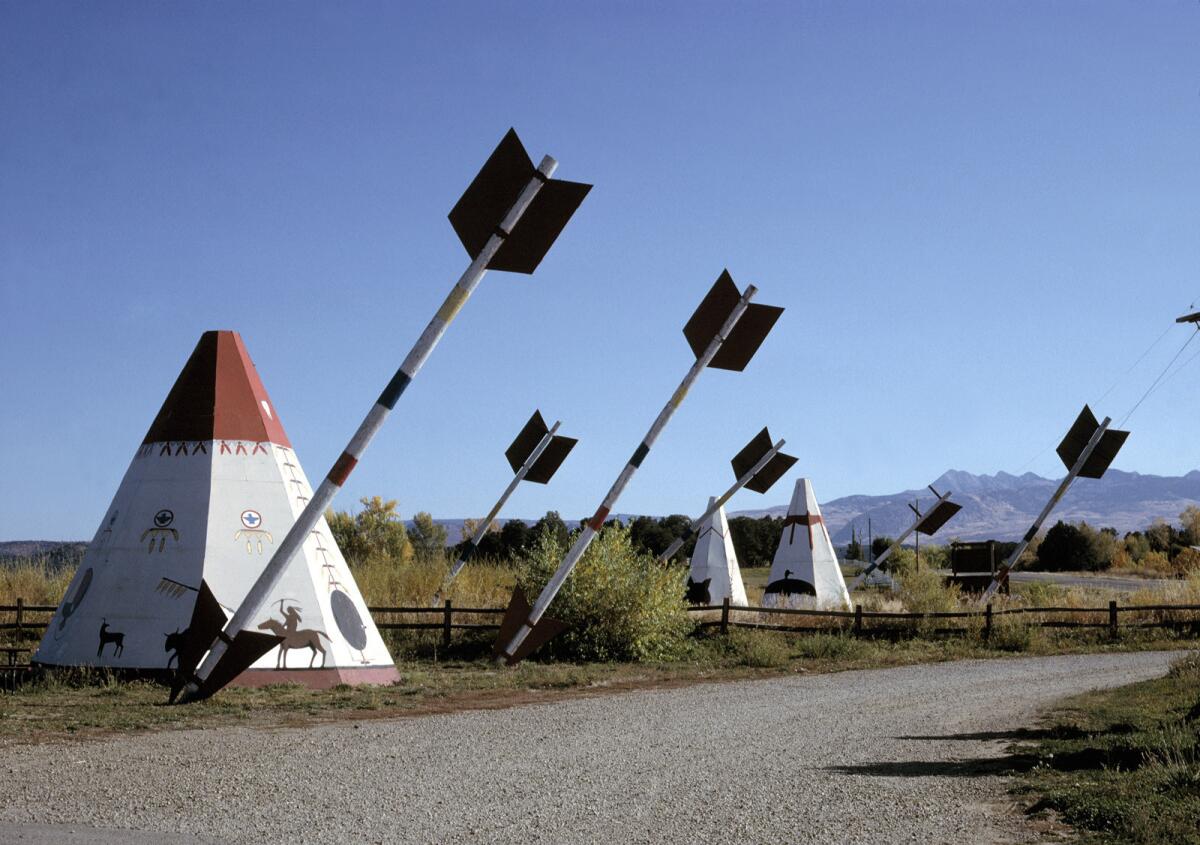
{"x": 1122, "y": 766}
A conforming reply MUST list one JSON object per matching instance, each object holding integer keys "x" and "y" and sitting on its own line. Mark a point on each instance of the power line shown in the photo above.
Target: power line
{"x": 1156, "y": 381}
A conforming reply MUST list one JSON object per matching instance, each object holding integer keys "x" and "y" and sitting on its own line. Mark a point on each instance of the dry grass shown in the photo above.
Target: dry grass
{"x": 387, "y": 583}
{"x": 35, "y": 581}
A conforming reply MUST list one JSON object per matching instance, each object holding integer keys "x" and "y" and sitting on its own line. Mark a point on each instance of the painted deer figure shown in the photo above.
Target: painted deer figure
{"x": 117, "y": 638}
{"x": 303, "y": 638}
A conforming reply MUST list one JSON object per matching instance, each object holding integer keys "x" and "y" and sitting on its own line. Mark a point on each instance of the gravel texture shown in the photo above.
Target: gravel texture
{"x": 895, "y": 755}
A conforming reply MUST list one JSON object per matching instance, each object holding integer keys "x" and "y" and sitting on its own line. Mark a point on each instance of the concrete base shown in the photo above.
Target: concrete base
{"x": 319, "y": 678}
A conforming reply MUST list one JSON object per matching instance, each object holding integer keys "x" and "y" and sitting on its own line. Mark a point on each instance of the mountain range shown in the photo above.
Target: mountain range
{"x": 1000, "y": 507}
{"x": 1003, "y": 506}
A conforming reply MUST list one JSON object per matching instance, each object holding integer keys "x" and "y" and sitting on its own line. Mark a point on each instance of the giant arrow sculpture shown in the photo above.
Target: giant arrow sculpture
{"x": 507, "y": 219}
{"x": 757, "y": 467}
{"x": 1087, "y": 451}
{"x": 926, "y": 523}
{"x": 535, "y": 455}
{"x": 724, "y": 332}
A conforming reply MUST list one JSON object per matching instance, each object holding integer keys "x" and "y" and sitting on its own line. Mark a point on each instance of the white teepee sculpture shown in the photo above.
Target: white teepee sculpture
{"x": 805, "y": 571}
{"x": 714, "y": 574}
{"x": 214, "y": 485}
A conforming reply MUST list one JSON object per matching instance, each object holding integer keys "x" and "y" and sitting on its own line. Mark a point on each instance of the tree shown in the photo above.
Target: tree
{"x": 428, "y": 538}
{"x": 1065, "y": 547}
{"x": 553, "y": 524}
{"x": 755, "y": 540}
{"x": 1190, "y": 520}
{"x": 880, "y": 545}
{"x": 375, "y": 531}
{"x": 1159, "y": 536}
{"x": 515, "y": 538}
{"x": 854, "y": 550}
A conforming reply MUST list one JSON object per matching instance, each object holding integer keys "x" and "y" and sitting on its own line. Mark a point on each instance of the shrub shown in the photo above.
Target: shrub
{"x": 1156, "y": 563}
{"x": 757, "y": 649}
{"x": 1012, "y": 633}
{"x": 374, "y": 532}
{"x": 925, "y": 591}
{"x": 1043, "y": 594}
{"x": 619, "y": 604}
{"x": 838, "y": 646}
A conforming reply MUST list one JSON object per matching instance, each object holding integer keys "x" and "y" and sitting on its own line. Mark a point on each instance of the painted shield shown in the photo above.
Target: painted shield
{"x": 348, "y": 620}
{"x": 69, "y": 607}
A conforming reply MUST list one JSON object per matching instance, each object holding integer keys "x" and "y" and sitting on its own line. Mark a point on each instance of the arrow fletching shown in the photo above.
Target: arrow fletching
{"x": 936, "y": 517}
{"x": 747, "y": 335}
{"x": 479, "y": 211}
{"x": 551, "y": 459}
{"x": 526, "y": 441}
{"x": 1076, "y": 441}
{"x": 752, "y": 453}
{"x": 517, "y": 614}
{"x": 552, "y": 456}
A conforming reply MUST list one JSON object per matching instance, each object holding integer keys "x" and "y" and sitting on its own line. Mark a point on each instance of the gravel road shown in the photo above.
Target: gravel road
{"x": 892, "y": 755}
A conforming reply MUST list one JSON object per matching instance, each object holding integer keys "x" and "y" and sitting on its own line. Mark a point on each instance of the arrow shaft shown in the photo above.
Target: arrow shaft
{"x": 482, "y": 528}
{"x": 1076, "y": 468}
{"x": 290, "y": 545}
{"x": 720, "y": 502}
{"x": 610, "y": 500}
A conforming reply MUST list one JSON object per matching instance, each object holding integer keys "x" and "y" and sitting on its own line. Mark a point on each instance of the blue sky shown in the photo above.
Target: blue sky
{"x": 978, "y": 216}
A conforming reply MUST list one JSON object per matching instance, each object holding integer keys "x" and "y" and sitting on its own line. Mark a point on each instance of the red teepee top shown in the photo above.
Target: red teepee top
{"x": 218, "y": 396}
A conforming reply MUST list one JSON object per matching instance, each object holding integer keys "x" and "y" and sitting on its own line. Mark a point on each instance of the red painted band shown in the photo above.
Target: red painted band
{"x": 598, "y": 520}
{"x": 342, "y": 468}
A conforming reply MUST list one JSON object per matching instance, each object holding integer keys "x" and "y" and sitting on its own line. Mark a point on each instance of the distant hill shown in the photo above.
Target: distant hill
{"x": 999, "y": 506}
{"x": 1002, "y": 506}
{"x": 56, "y": 554}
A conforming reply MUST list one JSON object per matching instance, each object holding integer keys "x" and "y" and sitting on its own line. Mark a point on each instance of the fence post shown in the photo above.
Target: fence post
{"x": 857, "y": 620}
{"x": 446, "y": 618}
{"x": 20, "y": 614}
{"x": 1112, "y": 617}
{"x": 725, "y": 615}
{"x": 987, "y": 622}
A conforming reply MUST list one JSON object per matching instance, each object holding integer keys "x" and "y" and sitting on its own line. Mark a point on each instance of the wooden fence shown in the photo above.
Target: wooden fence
{"x": 855, "y": 621}
{"x": 26, "y": 620}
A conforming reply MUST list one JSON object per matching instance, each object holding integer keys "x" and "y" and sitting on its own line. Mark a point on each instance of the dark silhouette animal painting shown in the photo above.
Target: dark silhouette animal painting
{"x": 174, "y": 643}
{"x": 117, "y": 638}
{"x": 698, "y": 592}
{"x": 303, "y": 638}
{"x": 788, "y": 586}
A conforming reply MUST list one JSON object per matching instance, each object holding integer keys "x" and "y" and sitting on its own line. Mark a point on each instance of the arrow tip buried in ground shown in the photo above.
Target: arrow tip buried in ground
{"x": 516, "y": 616}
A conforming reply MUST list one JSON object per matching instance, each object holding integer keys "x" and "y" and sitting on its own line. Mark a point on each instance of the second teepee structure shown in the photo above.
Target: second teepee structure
{"x": 805, "y": 571}
{"x": 714, "y": 575}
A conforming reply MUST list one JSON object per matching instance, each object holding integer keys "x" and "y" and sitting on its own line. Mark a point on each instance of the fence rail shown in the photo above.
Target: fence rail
{"x": 1110, "y": 613}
